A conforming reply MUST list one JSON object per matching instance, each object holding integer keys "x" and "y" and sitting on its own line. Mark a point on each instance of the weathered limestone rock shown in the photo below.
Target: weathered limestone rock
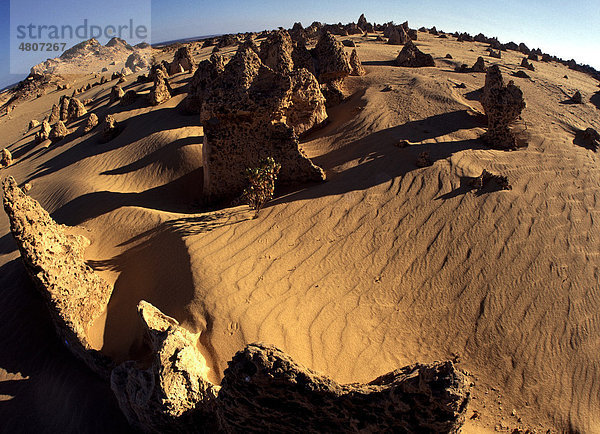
{"x": 58, "y": 132}
{"x": 331, "y": 61}
{"x": 589, "y": 137}
{"x": 502, "y": 105}
{"x": 33, "y": 123}
{"x": 129, "y": 98}
{"x": 520, "y": 74}
{"x": 411, "y": 56}
{"x": 252, "y": 112}
{"x": 110, "y": 128}
{"x": 53, "y": 258}
{"x": 116, "y": 93}
{"x": 355, "y": 64}
{"x": 208, "y": 71}
{"x": 302, "y": 57}
{"x": 297, "y": 33}
{"x": 276, "y": 51}
{"x": 173, "y": 394}
{"x": 92, "y": 121}
{"x": 495, "y": 54}
{"x": 54, "y": 114}
{"x": 43, "y": 133}
{"x": 398, "y": 36}
{"x": 287, "y": 397}
{"x": 135, "y": 60}
{"x": 76, "y": 109}
{"x": 5, "y": 158}
{"x": 525, "y": 64}
{"x": 479, "y": 65}
{"x": 577, "y": 98}
{"x": 362, "y": 22}
{"x": 486, "y": 178}
{"x": 181, "y": 61}
{"x": 161, "y": 91}
{"x": 303, "y": 106}
{"x": 249, "y": 43}
{"x": 64, "y": 108}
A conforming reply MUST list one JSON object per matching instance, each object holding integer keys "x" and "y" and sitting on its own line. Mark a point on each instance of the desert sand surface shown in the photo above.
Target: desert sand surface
{"x": 385, "y": 264}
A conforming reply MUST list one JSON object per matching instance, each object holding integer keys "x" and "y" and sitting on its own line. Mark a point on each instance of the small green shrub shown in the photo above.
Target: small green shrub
{"x": 261, "y": 183}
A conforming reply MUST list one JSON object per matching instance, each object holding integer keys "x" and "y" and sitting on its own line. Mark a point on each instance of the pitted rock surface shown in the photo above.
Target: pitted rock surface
{"x": 287, "y": 397}
{"x": 356, "y": 64}
{"x": 502, "y": 105}
{"x": 251, "y": 112}
{"x": 53, "y": 258}
{"x": 173, "y": 394}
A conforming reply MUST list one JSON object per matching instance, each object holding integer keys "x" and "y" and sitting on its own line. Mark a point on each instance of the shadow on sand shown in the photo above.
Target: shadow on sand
{"x": 379, "y": 161}
{"x": 59, "y": 393}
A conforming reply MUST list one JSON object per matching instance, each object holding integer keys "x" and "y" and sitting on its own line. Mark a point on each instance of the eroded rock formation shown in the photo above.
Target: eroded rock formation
{"x": 417, "y": 398}
{"x": 398, "y": 36}
{"x": 182, "y": 60}
{"x": 276, "y": 51}
{"x": 332, "y": 66}
{"x": 161, "y": 91}
{"x": 5, "y": 158}
{"x": 251, "y": 112}
{"x": 411, "y": 56}
{"x": 208, "y": 71}
{"x": 53, "y": 258}
{"x": 76, "y": 110}
{"x": 91, "y": 122}
{"x": 356, "y": 64}
{"x": 58, "y": 132}
{"x": 116, "y": 93}
{"x": 110, "y": 128}
{"x": 479, "y": 65}
{"x": 502, "y": 105}
{"x": 44, "y": 132}
{"x": 173, "y": 393}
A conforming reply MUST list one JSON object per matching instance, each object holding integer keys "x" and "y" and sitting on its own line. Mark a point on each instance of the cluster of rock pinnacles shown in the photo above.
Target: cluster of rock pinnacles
{"x": 257, "y": 105}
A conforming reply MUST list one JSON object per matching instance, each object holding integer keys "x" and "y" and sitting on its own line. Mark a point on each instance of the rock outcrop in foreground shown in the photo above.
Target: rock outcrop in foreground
{"x": 173, "y": 393}
{"x": 502, "y": 105}
{"x": 53, "y": 258}
{"x": 292, "y": 398}
{"x": 263, "y": 389}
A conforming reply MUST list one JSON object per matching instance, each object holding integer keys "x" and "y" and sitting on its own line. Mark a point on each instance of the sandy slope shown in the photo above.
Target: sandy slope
{"x": 383, "y": 265}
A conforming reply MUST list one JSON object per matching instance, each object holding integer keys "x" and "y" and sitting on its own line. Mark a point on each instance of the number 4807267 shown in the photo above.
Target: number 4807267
{"x": 42, "y": 46}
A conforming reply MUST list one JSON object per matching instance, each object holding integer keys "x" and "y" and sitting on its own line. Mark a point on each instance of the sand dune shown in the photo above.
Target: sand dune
{"x": 383, "y": 265}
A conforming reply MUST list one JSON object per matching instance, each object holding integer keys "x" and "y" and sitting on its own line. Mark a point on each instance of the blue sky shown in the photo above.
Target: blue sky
{"x": 568, "y": 30}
